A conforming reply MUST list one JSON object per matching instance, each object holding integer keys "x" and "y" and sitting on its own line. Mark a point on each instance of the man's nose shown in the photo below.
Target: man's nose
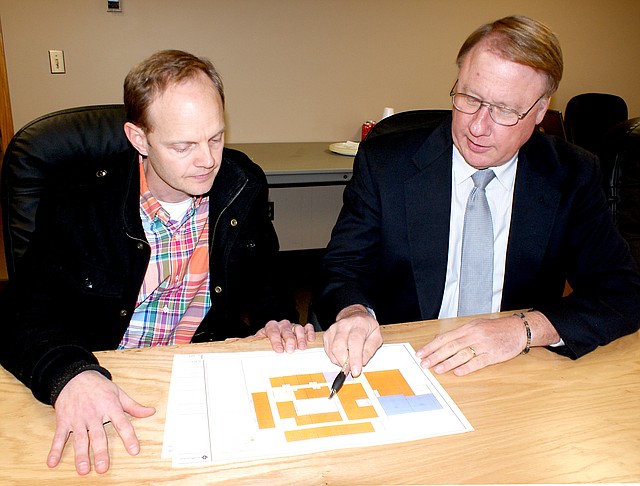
{"x": 206, "y": 157}
{"x": 481, "y": 121}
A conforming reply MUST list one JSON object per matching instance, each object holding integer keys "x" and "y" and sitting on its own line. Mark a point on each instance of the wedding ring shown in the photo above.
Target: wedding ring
{"x": 473, "y": 351}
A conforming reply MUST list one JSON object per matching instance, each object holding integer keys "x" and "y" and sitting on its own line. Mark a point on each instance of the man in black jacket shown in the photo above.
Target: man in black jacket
{"x": 165, "y": 244}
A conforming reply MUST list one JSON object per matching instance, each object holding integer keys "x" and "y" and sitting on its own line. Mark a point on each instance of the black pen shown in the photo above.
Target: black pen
{"x": 339, "y": 381}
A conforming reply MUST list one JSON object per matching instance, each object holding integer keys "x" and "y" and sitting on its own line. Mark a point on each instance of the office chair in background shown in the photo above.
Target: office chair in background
{"x": 43, "y": 148}
{"x": 408, "y": 120}
{"x": 553, "y": 124}
{"x": 620, "y": 161}
{"x": 589, "y": 116}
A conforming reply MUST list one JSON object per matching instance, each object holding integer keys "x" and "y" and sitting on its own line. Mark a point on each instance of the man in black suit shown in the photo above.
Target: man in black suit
{"x": 395, "y": 253}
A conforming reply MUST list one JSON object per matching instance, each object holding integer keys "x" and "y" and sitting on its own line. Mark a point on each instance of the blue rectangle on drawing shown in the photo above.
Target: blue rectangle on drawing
{"x": 397, "y": 404}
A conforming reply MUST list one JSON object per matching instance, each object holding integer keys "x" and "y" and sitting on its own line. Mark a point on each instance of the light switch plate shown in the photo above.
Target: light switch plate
{"x": 56, "y": 62}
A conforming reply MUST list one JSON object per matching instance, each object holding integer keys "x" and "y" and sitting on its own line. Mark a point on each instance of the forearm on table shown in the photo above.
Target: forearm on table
{"x": 56, "y": 368}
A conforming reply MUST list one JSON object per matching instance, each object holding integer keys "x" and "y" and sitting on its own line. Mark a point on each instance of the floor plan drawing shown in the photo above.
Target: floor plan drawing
{"x": 240, "y": 406}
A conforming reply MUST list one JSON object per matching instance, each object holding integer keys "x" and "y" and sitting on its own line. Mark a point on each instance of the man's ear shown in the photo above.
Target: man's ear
{"x": 137, "y": 137}
{"x": 543, "y": 111}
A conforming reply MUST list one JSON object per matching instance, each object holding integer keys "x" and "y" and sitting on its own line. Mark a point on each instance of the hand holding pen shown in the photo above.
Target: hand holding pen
{"x": 355, "y": 334}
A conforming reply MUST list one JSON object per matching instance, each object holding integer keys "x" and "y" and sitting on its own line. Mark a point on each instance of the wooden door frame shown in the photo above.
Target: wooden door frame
{"x": 6, "y": 117}
{"x": 6, "y": 133}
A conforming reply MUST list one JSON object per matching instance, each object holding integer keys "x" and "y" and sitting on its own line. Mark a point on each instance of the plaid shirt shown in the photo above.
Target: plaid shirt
{"x": 175, "y": 294}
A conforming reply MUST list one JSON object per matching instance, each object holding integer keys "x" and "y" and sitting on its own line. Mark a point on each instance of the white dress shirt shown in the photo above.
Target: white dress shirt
{"x": 500, "y": 196}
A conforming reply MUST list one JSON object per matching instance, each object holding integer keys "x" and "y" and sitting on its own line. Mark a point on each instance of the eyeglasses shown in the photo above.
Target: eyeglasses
{"x": 502, "y": 115}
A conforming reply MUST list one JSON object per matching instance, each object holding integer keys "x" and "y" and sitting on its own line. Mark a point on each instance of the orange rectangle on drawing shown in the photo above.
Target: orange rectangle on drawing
{"x": 291, "y": 380}
{"x": 388, "y": 383}
{"x": 286, "y": 410}
{"x": 305, "y": 393}
{"x": 328, "y": 431}
{"x": 263, "y": 410}
{"x": 318, "y": 418}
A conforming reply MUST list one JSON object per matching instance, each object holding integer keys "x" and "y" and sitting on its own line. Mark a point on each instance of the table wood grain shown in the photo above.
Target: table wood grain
{"x": 539, "y": 418}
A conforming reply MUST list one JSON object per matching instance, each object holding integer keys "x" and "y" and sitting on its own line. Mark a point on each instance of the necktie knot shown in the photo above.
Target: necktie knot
{"x": 481, "y": 178}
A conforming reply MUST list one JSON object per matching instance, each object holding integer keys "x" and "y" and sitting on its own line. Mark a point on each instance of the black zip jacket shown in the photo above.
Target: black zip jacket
{"x": 75, "y": 289}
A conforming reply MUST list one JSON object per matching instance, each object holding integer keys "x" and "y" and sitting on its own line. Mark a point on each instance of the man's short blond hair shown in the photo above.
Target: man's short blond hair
{"x": 524, "y": 41}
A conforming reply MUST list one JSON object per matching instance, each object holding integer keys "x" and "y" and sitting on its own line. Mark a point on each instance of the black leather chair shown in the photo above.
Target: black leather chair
{"x": 553, "y": 124}
{"x": 61, "y": 139}
{"x": 408, "y": 120}
{"x": 589, "y": 116}
{"x": 620, "y": 159}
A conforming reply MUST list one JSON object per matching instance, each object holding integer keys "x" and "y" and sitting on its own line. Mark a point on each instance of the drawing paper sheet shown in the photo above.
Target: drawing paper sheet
{"x": 231, "y": 407}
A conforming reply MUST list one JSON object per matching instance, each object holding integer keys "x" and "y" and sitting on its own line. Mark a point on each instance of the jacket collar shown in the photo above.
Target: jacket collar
{"x": 437, "y": 145}
{"x": 228, "y": 182}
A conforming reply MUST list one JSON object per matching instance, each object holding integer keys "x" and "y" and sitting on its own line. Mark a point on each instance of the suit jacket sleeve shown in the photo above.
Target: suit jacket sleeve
{"x": 351, "y": 257}
{"x": 562, "y": 231}
{"x": 386, "y": 244}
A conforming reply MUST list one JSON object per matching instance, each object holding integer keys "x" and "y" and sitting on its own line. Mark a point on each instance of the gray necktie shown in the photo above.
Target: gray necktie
{"x": 476, "y": 269}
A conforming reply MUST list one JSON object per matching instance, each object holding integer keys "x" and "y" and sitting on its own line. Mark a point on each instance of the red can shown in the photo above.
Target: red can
{"x": 366, "y": 128}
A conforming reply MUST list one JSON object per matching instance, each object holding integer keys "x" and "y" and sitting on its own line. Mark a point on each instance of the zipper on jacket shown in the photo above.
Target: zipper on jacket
{"x": 212, "y": 236}
{"x": 215, "y": 226}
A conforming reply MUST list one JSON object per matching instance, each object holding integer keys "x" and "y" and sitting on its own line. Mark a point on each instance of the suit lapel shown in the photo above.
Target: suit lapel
{"x": 429, "y": 195}
{"x": 535, "y": 203}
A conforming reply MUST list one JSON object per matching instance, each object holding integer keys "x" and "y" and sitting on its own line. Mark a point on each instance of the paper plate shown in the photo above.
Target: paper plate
{"x": 344, "y": 148}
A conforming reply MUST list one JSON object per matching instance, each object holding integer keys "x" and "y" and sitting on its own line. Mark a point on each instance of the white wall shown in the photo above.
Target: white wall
{"x": 302, "y": 70}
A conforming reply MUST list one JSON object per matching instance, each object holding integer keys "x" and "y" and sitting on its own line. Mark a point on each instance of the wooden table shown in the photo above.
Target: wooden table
{"x": 539, "y": 418}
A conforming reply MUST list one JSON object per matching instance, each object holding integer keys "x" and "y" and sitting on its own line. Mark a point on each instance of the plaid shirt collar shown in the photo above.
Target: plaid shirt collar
{"x": 150, "y": 205}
